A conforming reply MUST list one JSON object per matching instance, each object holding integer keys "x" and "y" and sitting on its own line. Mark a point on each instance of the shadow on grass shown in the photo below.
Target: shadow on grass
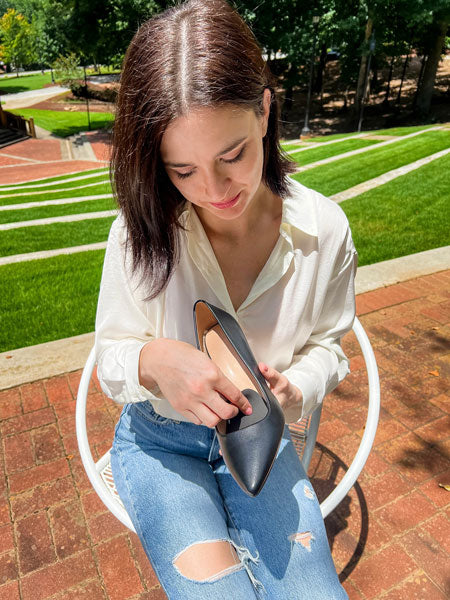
{"x": 13, "y": 89}
{"x": 67, "y": 130}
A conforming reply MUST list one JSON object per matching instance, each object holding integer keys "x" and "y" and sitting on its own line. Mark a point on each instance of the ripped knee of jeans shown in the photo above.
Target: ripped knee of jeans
{"x": 207, "y": 561}
{"x": 210, "y": 560}
{"x": 304, "y": 538}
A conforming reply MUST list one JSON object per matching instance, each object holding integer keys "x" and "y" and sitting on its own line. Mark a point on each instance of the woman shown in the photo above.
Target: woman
{"x": 208, "y": 211}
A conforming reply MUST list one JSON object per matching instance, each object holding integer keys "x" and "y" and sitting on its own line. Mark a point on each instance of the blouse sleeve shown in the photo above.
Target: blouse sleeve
{"x": 124, "y": 323}
{"x": 321, "y": 364}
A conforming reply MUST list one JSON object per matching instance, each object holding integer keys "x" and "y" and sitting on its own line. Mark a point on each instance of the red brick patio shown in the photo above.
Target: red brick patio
{"x": 38, "y": 158}
{"x": 390, "y": 537}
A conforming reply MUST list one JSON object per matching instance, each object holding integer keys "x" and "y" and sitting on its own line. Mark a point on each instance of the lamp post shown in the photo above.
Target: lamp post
{"x": 87, "y": 98}
{"x": 306, "y": 131}
{"x": 366, "y": 80}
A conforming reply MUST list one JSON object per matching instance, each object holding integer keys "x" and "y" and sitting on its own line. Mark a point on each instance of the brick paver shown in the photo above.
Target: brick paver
{"x": 389, "y": 537}
{"x": 38, "y": 158}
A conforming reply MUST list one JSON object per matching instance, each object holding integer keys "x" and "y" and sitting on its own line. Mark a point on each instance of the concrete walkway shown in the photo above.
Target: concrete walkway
{"x": 30, "y": 97}
{"x": 389, "y": 537}
{"x": 356, "y": 190}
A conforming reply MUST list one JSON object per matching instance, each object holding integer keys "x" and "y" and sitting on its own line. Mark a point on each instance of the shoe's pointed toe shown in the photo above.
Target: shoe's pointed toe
{"x": 249, "y": 471}
{"x": 250, "y": 451}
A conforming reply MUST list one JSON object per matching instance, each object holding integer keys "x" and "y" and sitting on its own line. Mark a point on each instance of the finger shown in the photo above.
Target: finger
{"x": 206, "y": 415}
{"x": 223, "y": 409}
{"x": 270, "y": 374}
{"x": 227, "y": 389}
{"x": 192, "y": 417}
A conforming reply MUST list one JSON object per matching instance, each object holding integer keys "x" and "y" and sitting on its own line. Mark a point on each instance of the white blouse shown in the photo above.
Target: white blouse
{"x": 301, "y": 304}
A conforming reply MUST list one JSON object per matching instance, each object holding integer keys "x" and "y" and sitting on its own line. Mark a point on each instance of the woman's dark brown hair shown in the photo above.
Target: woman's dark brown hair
{"x": 199, "y": 53}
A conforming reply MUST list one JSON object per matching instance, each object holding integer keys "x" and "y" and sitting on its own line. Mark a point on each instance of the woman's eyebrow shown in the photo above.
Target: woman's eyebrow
{"x": 224, "y": 151}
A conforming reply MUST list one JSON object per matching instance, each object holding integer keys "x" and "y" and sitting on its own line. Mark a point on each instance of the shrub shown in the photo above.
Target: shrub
{"x": 67, "y": 69}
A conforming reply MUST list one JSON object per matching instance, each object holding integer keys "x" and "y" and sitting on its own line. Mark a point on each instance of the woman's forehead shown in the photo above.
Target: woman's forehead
{"x": 216, "y": 127}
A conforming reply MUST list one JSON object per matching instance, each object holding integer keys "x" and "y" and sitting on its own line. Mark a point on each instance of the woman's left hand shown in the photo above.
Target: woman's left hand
{"x": 287, "y": 394}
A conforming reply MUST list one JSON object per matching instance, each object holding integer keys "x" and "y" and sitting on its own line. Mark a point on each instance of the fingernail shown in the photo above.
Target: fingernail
{"x": 248, "y": 410}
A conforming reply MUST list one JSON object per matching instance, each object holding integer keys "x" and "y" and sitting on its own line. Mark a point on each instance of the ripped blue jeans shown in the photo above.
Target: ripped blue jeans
{"x": 184, "y": 505}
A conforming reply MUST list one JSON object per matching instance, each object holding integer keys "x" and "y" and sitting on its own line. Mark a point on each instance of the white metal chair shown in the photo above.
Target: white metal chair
{"x": 304, "y": 437}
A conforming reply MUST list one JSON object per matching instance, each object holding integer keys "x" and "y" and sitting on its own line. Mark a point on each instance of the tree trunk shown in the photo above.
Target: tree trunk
{"x": 318, "y": 83}
{"x": 388, "y": 89}
{"x": 405, "y": 64}
{"x": 419, "y": 80}
{"x": 425, "y": 92}
{"x": 362, "y": 68}
{"x": 374, "y": 83}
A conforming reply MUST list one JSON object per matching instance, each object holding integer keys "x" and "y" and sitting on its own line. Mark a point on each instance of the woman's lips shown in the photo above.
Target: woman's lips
{"x": 227, "y": 203}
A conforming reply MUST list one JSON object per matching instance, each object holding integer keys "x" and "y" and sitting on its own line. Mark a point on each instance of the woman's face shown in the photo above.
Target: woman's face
{"x": 214, "y": 157}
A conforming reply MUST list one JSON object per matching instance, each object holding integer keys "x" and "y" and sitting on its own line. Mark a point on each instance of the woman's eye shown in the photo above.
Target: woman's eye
{"x": 183, "y": 175}
{"x": 236, "y": 158}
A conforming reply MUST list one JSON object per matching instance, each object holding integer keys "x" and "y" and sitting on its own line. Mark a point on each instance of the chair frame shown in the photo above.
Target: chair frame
{"x": 100, "y": 475}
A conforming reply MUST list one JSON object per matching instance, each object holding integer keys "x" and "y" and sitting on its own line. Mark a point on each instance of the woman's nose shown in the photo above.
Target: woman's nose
{"x": 217, "y": 186}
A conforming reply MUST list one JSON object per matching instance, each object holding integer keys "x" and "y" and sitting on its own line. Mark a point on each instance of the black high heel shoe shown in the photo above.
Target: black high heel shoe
{"x": 249, "y": 443}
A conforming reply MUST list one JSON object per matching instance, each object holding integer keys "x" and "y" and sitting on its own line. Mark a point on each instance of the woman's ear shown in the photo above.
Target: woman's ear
{"x": 267, "y": 101}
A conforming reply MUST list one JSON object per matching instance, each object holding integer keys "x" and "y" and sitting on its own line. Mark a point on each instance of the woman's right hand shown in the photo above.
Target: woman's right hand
{"x": 190, "y": 381}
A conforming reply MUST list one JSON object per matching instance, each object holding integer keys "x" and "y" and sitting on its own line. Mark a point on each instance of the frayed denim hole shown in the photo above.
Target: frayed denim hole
{"x": 214, "y": 576}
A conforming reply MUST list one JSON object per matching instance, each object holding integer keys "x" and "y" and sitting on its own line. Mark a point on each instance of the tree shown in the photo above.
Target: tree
{"x": 18, "y": 38}
{"x": 434, "y": 49}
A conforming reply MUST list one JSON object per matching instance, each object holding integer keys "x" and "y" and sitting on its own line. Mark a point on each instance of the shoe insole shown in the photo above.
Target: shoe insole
{"x": 222, "y": 353}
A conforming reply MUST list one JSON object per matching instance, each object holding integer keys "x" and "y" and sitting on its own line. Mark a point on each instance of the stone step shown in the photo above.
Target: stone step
{"x": 80, "y": 148}
{"x": 11, "y": 136}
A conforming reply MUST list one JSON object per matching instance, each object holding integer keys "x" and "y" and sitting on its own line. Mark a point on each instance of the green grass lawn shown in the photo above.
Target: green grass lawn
{"x": 44, "y": 212}
{"x": 65, "y": 123}
{"x": 287, "y": 147}
{"x": 334, "y": 136}
{"x": 401, "y": 130}
{"x": 60, "y": 178}
{"x": 405, "y": 216}
{"x": 69, "y": 186}
{"x": 344, "y": 174}
{"x": 23, "y": 83}
{"x": 305, "y": 157}
{"x": 56, "y": 235}
{"x": 102, "y": 188}
{"x": 49, "y": 299}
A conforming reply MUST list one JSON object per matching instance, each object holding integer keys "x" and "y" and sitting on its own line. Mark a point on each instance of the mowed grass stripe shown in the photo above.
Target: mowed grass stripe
{"x": 287, "y": 147}
{"x": 102, "y": 188}
{"x": 54, "y": 236}
{"x": 49, "y": 299}
{"x": 75, "y": 176}
{"x": 345, "y": 173}
{"x": 43, "y": 212}
{"x": 404, "y": 216}
{"x": 335, "y": 136}
{"x": 99, "y": 179}
{"x": 400, "y": 131}
{"x": 58, "y": 202}
{"x": 310, "y": 155}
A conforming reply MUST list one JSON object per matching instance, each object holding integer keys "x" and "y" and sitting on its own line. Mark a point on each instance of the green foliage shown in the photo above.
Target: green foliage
{"x": 67, "y": 69}
{"x": 18, "y": 38}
